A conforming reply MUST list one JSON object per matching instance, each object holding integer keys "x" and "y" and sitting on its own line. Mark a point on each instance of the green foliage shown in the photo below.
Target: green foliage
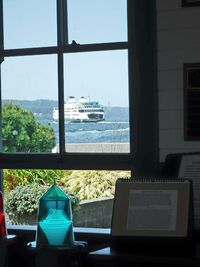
{"x": 93, "y": 184}
{"x": 22, "y": 133}
{"x": 24, "y": 200}
{"x": 12, "y": 178}
{"x": 43, "y": 139}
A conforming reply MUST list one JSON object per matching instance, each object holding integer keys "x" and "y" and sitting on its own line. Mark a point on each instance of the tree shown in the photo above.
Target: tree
{"x": 22, "y": 133}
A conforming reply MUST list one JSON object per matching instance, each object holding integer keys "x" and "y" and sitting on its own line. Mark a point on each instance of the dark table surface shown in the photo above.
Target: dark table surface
{"x": 180, "y": 256}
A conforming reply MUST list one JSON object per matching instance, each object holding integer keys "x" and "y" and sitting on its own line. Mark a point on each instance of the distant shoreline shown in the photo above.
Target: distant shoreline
{"x": 95, "y": 148}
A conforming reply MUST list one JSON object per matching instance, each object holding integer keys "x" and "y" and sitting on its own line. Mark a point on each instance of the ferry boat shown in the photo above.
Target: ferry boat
{"x": 83, "y": 110}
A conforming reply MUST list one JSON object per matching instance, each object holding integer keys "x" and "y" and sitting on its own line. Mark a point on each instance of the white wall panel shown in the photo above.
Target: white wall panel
{"x": 170, "y": 80}
{"x": 179, "y": 39}
{"x": 167, "y": 5}
{"x": 174, "y": 138}
{"x": 173, "y": 59}
{"x": 170, "y": 119}
{"x": 182, "y": 18}
{"x": 171, "y": 100}
{"x": 178, "y": 42}
{"x": 165, "y": 152}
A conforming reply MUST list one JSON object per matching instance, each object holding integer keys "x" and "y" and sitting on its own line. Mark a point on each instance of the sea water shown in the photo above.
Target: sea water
{"x": 98, "y": 132}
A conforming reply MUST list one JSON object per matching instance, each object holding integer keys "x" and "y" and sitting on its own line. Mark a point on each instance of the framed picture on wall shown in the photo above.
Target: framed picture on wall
{"x": 192, "y": 75}
{"x": 188, "y": 3}
{"x": 191, "y": 87}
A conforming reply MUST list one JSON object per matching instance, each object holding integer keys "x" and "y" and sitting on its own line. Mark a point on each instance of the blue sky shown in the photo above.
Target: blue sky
{"x": 101, "y": 75}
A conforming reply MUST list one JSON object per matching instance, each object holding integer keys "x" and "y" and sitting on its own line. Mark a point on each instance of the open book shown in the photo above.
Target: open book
{"x": 152, "y": 208}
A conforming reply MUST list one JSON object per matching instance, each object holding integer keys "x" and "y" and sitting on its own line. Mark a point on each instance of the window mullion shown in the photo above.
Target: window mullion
{"x": 65, "y": 23}
{"x": 60, "y": 78}
{"x": 73, "y": 48}
{"x": 61, "y": 104}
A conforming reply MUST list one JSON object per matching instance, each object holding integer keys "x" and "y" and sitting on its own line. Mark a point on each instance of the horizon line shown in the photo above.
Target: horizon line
{"x": 53, "y": 100}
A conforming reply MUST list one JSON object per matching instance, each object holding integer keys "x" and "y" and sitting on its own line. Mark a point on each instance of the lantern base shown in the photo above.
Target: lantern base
{"x": 59, "y": 256}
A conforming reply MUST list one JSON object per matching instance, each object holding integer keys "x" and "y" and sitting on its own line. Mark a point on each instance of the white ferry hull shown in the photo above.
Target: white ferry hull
{"x": 84, "y": 120}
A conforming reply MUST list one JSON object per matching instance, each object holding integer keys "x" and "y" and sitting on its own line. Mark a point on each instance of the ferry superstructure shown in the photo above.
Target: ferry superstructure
{"x": 83, "y": 110}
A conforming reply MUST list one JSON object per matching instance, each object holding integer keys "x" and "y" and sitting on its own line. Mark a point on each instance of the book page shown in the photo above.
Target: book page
{"x": 152, "y": 210}
{"x": 190, "y": 168}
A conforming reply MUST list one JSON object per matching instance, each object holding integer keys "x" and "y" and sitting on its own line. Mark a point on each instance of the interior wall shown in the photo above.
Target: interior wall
{"x": 178, "y": 42}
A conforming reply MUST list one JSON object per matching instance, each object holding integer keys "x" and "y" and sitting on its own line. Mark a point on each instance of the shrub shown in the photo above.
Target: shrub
{"x": 12, "y": 178}
{"x": 24, "y": 200}
{"x": 93, "y": 184}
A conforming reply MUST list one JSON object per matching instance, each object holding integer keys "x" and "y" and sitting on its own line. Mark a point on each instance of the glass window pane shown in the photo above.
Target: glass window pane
{"x": 29, "y": 93}
{"x": 99, "y": 122}
{"x": 91, "y": 200}
{"x": 97, "y": 21}
{"x": 29, "y": 23}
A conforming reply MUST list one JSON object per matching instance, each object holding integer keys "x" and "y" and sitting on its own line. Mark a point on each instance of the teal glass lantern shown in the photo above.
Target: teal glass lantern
{"x": 55, "y": 227}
